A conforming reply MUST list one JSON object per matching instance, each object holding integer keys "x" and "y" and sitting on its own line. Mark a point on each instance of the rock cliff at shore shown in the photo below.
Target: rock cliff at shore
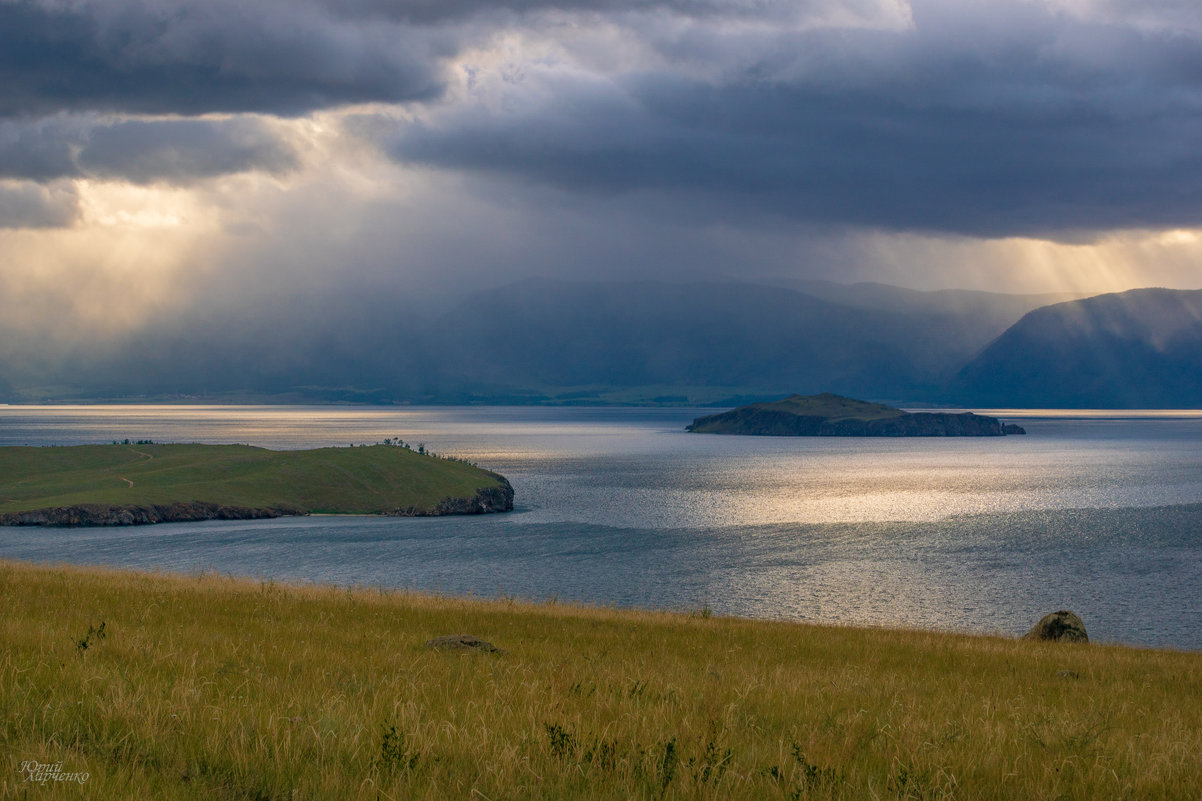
{"x": 485, "y": 501}
{"x": 830, "y": 415}
{"x": 93, "y": 514}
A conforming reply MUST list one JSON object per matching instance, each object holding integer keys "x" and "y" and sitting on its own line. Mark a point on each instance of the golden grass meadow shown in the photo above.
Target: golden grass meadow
{"x": 162, "y": 686}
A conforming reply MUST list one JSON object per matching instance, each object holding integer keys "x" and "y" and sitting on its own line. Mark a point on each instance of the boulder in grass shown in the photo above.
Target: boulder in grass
{"x": 1062, "y": 626}
{"x": 461, "y": 642}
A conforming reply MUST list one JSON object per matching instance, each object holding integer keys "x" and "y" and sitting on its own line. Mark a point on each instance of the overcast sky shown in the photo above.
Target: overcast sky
{"x": 189, "y": 157}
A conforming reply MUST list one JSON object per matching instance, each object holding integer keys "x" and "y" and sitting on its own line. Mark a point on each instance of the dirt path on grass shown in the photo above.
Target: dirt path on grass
{"x": 147, "y": 456}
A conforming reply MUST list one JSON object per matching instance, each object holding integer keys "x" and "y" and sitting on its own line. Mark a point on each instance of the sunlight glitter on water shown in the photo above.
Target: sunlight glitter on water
{"x": 570, "y": 463}
{"x": 1088, "y": 414}
{"x": 1101, "y": 514}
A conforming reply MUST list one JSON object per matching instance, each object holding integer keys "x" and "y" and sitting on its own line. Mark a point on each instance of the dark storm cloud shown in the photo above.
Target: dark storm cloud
{"x": 1173, "y": 14}
{"x": 179, "y": 150}
{"x": 435, "y": 11}
{"x": 28, "y": 205}
{"x": 40, "y": 150}
{"x": 140, "y": 151}
{"x": 280, "y": 56}
{"x": 193, "y": 57}
{"x": 984, "y": 119}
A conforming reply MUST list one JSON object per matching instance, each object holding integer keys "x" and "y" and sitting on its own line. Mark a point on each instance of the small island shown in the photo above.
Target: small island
{"x": 830, "y": 415}
{"x": 141, "y": 483}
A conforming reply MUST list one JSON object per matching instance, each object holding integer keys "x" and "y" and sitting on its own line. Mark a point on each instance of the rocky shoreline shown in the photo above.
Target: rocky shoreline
{"x": 89, "y": 514}
{"x": 487, "y": 500}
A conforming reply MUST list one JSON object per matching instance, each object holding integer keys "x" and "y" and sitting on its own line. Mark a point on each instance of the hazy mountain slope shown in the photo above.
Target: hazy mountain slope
{"x": 1134, "y": 349}
{"x": 703, "y": 334}
{"x": 541, "y": 339}
{"x": 977, "y": 316}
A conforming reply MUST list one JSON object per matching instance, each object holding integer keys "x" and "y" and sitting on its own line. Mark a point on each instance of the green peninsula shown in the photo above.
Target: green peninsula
{"x": 830, "y": 415}
{"x": 151, "y": 483}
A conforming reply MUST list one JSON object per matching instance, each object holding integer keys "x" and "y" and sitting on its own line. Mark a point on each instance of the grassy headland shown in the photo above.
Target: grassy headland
{"x": 379, "y": 479}
{"x": 209, "y": 687}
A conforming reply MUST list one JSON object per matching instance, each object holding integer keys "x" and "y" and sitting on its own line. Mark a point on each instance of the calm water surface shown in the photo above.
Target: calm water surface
{"x": 1093, "y": 511}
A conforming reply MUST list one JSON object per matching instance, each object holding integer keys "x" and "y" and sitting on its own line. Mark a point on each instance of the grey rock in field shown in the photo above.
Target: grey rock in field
{"x": 1062, "y": 626}
{"x": 462, "y": 642}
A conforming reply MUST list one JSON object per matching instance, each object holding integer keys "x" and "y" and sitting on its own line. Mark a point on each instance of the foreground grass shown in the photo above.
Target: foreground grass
{"x": 365, "y": 480}
{"x": 209, "y": 687}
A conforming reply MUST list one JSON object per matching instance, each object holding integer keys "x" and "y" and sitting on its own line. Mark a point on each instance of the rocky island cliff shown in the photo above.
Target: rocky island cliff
{"x": 830, "y": 415}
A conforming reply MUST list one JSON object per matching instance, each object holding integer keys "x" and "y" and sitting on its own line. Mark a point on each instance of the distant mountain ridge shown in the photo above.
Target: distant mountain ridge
{"x": 1136, "y": 349}
{"x": 691, "y": 343}
{"x": 999, "y": 309}
{"x": 767, "y": 340}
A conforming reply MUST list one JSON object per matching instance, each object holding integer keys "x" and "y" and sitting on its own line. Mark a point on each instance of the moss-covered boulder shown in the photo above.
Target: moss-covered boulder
{"x": 1062, "y": 626}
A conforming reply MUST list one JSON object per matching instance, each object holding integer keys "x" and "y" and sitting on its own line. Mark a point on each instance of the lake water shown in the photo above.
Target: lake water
{"x": 1100, "y": 513}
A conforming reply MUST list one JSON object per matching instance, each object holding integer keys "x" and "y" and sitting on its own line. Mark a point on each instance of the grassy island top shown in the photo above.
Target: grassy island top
{"x": 830, "y": 406}
{"x": 209, "y": 687}
{"x": 377, "y": 479}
